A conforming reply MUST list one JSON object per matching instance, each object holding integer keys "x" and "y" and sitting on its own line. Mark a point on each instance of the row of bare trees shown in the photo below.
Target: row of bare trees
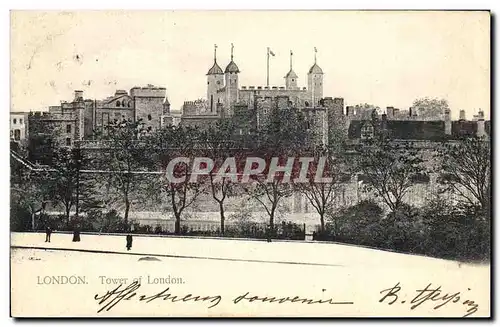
{"x": 132, "y": 162}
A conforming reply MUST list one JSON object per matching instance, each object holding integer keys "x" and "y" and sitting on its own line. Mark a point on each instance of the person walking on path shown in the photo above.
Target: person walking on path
{"x": 76, "y": 234}
{"x": 129, "y": 242}
{"x": 48, "y": 232}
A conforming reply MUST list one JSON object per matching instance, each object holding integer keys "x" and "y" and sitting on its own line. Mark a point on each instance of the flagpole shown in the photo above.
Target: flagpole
{"x": 267, "y": 66}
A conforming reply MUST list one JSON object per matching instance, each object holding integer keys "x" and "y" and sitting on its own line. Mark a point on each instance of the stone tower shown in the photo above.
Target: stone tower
{"x": 231, "y": 78}
{"x": 315, "y": 82}
{"x": 215, "y": 81}
{"x": 291, "y": 77}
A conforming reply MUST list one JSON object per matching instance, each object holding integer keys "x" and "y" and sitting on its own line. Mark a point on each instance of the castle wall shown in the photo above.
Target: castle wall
{"x": 298, "y": 96}
{"x": 148, "y": 104}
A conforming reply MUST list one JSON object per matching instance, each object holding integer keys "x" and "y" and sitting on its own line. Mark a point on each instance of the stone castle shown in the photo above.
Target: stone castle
{"x": 81, "y": 119}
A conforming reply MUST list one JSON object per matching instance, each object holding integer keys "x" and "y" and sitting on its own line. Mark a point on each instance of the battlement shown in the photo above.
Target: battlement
{"x": 268, "y": 88}
{"x": 195, "y": 102}
{"x": 149, "y": 91}
{"x": 45, "y": 115}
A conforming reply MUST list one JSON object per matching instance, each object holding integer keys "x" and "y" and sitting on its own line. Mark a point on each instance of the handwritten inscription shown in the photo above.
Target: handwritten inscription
{"x": 429, "y": 294}
{"x": 126, "y": 293}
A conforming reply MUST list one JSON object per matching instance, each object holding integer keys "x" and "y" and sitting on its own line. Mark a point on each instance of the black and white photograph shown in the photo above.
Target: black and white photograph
{"x": 243, "y": 164}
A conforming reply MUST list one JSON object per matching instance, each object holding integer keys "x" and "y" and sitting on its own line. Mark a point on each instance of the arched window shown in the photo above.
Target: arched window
{"x": 123, "y": 103}
{"x": 117, "y": 103}
{"x": 307, "y": 104}
{"x": 149, "y": 117}
{"x": 129, "y": 104}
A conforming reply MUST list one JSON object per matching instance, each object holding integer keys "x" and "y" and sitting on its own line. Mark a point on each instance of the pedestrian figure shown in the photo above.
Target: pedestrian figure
{"x": 48, "y": 232}
{"x": 76, "y": 235}
{"x": 268, "y": 233}
{"x": 129, "y": 242}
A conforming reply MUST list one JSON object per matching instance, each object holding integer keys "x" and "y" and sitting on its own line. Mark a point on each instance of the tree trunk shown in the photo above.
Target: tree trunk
{"x": 68, "y": 209}
{"x": 222, "y": 218}
{"x": 322, "y": 221}
{"x": 177, "y": 223}
{"x": 271, "y": 222}
{"x": 127, "y": 209}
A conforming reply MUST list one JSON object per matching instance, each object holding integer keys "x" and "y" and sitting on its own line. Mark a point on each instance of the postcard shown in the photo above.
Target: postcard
{"x": 250, "y": 164}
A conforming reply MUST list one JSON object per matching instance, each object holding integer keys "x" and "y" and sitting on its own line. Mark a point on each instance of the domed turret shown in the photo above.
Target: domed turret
{"x": 315, "y": 69}
{"x": 232, "y": 68}
{"x": 215, "y": 82}
{"x": 315, "y": 82}
{"x": 231, "y": 79}
{"x": 215, "y": 70}
{"x": 291, "y": 76}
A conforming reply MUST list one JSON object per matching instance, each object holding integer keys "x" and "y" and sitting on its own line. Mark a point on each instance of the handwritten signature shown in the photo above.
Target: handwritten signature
{"x": 430, "y": 294}
{"x": 126, "y": 293}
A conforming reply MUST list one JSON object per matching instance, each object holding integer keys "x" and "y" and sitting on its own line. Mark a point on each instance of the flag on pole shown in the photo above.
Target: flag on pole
{"x": 315, "y": 50}
{"x": 271, "y": 53}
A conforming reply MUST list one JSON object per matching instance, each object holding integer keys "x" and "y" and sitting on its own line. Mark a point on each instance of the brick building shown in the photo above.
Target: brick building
{"x": 18, "y": 126}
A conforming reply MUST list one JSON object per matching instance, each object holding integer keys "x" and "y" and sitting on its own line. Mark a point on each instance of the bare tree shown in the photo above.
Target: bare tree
{"x": 124, "y": 158}
{"x": 388, "y": 168}
{"x": 321, "y": 191}
{"x": 217, "y": 144}
{"x": 284, "y": 135}
{"x": 465, "y": 167}
{"x": 176, "y": 186}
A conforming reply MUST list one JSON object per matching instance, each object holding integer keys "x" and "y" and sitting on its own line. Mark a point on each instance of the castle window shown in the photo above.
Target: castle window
{"x": 128, "y": 104}
{"x": 293, "y": 80}
{"x": 68, "y": 128}
{"x": 307, "y": 104}
{"x": 14, "y": 121}
{"x": 117, "y": 103}
{"x": 17, "y": 134}
{"x": 20, "y": 120}
{"x": 123, "y": 103}
{"x": 208, "y": 83}
{"x": 149, "y": 117}
{"x": 68, "y": 141}
{"x": 218, "y": 82}
{"x": 367, "y": 131}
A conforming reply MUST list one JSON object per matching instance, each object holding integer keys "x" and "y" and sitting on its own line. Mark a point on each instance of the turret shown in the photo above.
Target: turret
{"x": 231, "y": 76}
{"x": 480, "y": 124}
{"x": 315, "y": 82}
{"x": 291, "y": 77}
{"x": 215, "y": 81}
{"x": 447, "y": 121}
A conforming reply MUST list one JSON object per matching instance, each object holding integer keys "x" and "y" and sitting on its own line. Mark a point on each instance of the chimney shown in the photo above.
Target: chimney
{"x": 78, "y": 95}
{"x": 480, "y": 124}
{"x": 349, "y": 111}
{"x": 390, "y": 112}
{"x": 384, "y": 121}
{"x": 339, "y": 106}
{"x": 410, "y": 112}
{"x": 447, "y": 121}
{"x": 462, "y": 115}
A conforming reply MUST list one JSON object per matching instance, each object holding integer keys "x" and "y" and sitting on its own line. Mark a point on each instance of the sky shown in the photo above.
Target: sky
{"x": 380, "y": 58}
